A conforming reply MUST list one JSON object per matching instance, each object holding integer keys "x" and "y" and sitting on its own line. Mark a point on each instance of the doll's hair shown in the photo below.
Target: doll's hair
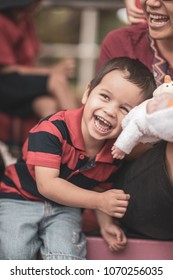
{"x": 133, "y": 70}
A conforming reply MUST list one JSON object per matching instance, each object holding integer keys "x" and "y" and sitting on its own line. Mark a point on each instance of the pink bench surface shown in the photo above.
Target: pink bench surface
{"x": 137, "y": 249}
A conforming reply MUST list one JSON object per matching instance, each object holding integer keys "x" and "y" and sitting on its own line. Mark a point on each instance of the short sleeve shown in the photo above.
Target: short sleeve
{"x": 45, "y": 145}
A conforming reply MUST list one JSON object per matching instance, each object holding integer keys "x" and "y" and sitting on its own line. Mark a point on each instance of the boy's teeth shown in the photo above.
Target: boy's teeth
{"x": 102, "y": 124}
{"x": 103, "y": 120}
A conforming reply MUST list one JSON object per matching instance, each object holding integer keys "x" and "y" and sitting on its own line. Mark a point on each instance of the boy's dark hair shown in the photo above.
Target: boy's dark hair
{"x": 133, "y": 70}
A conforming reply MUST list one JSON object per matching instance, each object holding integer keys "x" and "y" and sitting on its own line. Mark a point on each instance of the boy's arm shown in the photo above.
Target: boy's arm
{"x": 66, "y": 67}
{"x": 112, "y": 202}
{"x": 111, "y": 232}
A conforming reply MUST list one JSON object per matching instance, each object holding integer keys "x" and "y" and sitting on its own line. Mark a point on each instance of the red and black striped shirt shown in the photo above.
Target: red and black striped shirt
{"x": 57, "y": 142}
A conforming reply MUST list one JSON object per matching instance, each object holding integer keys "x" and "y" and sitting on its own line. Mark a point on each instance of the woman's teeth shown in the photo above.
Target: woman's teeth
{"x": 159, "y": 19}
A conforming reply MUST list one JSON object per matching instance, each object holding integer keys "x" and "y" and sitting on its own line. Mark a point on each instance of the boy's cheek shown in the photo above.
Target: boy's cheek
{"x": 118, "y": 132}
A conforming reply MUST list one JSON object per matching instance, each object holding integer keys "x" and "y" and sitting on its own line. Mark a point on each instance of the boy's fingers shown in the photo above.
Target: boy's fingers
{"x": 118, "y": 191}
{"x": 122, "y": 196}
{"x": 116, "y": 247}
{"x": 121, "y": 209}
{"x": 122, "y": 203}
{"x": 117, "y": 214}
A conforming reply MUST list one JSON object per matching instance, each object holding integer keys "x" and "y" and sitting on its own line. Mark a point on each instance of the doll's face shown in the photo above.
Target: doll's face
{"x": 161, "y": 102}
{"x": 164, "y": 88}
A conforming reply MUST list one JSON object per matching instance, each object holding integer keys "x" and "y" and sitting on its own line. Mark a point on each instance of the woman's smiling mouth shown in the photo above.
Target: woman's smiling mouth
{"x": 157, "y": 20}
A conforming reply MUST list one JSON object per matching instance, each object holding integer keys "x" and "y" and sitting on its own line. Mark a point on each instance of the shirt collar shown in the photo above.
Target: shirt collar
{"x": 73, "y": 121}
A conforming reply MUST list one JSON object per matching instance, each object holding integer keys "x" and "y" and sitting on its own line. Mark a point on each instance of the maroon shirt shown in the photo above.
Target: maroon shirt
{"x": 134, "y": 41}
{"x": 18, "y": 42}
{"x": 131, "y": 41}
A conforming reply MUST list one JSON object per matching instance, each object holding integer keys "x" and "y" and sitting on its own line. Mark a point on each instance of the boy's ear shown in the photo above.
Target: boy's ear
{"x": 85, "y": 95}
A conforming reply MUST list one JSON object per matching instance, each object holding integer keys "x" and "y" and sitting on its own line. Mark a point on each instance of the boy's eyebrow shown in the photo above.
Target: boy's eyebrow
{"x": 108, "y": 91}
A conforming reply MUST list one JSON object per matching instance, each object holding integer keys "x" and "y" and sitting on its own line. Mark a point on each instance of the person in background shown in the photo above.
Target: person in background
{"x": 27, "y": 91}
{"x": 147, "y": 173}
{"x": 67, "y": 165}
{"x": 25, "y": 87}
{"x": 134, "y": 11}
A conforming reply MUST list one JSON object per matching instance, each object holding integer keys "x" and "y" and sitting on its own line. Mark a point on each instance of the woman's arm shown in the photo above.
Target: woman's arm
{"x": 65, "y": 67}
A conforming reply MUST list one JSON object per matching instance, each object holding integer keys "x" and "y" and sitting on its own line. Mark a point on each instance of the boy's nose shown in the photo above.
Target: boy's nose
{"x": 111, "y": 111}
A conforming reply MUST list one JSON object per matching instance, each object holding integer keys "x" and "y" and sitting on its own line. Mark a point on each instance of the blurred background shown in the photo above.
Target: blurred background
{"x": 75, "y": 29}
{"x": 66, "y": 29}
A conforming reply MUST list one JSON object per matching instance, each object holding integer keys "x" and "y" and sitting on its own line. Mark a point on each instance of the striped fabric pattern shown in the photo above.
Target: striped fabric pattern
{"x": 159, "y": 64}
{"x": 57, "y": 142}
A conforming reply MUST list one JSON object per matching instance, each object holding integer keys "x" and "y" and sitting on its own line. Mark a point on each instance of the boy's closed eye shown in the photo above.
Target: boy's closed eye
{"x": 105, "y": 96}
{"x": 124, "y": 110}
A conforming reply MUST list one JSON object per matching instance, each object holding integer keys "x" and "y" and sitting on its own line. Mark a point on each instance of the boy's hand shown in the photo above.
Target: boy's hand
{"x": 114, "y": 237}
{"x": 113, "y": 202}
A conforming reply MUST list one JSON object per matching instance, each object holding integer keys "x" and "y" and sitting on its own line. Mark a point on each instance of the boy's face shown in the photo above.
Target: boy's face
{"x": 107, "y": 105}
{"x": 159, "y": 14}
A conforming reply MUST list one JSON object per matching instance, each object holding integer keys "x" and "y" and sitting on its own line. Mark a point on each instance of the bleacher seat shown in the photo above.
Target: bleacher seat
{"x": 137, "y": 249}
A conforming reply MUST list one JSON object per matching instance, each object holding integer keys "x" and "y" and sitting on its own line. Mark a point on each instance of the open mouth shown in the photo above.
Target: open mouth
{"x": 158, "y": 20}
{"x": 102, "y": 125}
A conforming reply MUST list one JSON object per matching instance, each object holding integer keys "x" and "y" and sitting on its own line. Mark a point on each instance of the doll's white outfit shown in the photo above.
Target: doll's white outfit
{"x": 160, "y": 124}
{"x": 138, "y": 126}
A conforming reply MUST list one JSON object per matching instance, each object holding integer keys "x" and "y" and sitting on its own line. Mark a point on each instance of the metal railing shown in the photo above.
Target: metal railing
{"x": 82, "y": 4}
{"x": 87, "y": 49}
